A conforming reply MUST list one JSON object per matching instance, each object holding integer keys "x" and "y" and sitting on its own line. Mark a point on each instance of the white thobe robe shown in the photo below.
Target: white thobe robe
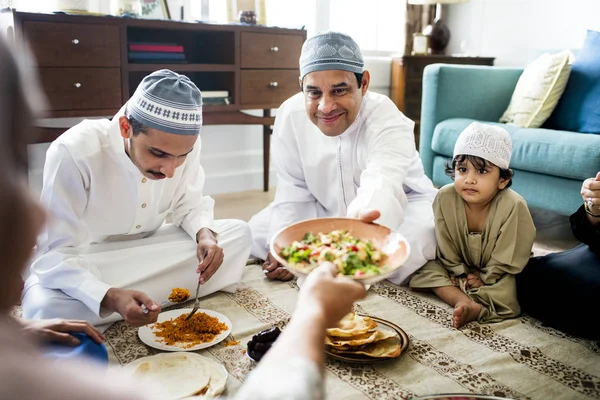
{"x": 372, "y": 165}
{"x": 106, "y": 229}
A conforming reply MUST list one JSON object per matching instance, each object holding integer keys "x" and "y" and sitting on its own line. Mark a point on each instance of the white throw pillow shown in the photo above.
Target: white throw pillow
{"x": 538, "y": 90}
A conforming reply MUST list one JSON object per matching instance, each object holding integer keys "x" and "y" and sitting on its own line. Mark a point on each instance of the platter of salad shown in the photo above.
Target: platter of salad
{"x": 363, "y": 251}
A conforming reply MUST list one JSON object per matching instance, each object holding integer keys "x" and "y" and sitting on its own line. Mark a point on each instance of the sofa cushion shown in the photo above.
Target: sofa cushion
{"x": 538, "y": 90}
{"x": 546, "y": 151}
{"x": 579, "y": 107}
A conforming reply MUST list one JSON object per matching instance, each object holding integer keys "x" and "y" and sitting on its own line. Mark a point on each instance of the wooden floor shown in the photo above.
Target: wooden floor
{"x": 241, "y": 205}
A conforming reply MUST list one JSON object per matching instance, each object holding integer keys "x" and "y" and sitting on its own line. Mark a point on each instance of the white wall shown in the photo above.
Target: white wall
{"x": 231, "y": 155}
{"x": 515, "y": 31}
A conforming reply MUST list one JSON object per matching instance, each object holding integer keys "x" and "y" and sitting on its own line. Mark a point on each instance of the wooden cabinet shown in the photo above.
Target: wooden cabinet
{"x": 57, "y": 44}
{"x": 407, "y": 81}
{"x": 259, "y": 86}
{"x": 70, "y": 89}
{"x": 260, "y": 50}
{"x": 85, "y": 69}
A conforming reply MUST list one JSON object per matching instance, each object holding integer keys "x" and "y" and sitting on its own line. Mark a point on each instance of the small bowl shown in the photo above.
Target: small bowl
{"x": 392, "y": 244}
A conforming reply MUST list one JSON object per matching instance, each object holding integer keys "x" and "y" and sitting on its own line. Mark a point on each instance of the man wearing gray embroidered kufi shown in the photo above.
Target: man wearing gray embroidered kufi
{"x": 344, "y": 151}
{"x": 109, "y": 186}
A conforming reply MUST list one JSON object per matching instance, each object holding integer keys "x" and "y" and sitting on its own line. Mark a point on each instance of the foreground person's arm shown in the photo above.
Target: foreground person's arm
{"x": 297, "y": 357}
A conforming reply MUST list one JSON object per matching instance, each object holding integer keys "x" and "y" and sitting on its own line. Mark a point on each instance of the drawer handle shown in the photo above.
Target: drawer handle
{"x": 77, "y": 85}
{"x": 75, "y": 41}
{"x": 273, "y": 84}
{"x": 275, "y": 49}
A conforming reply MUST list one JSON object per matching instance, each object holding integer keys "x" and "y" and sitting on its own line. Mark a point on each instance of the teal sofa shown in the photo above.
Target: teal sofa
{"x": 549, "y": 165}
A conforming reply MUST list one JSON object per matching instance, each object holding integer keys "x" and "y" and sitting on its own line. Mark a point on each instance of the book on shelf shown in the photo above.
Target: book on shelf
{"x": 155, "y": 47}
{"x": 154, "y": 56}
{"x": 214, "y": 93}
{"x": 215, "y": 97}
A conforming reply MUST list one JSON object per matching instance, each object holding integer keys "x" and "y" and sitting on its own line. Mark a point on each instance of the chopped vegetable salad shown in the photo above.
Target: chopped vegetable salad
{"x": 353, "y": 257}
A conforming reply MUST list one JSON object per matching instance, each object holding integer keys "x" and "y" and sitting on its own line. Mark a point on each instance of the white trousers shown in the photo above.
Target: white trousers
{"x": 153, "y": 265}
{"x": 418, "y": 228}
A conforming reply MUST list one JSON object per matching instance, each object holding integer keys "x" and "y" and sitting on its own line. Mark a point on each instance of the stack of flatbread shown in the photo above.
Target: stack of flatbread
{"x": 359, "y": 335}
{"x": 181, "y": 375}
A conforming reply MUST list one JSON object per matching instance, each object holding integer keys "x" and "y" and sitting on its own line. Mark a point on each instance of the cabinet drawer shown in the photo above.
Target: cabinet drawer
{"x": 413, "y": 90}
{"x": 414, "y": 68}
{"x": 264, "y": 50}
{"x": 81, "y": 88}
{"x": 57, "y": 44}
{"x": 413, "y": 109}
{"x": 268, "y": 87}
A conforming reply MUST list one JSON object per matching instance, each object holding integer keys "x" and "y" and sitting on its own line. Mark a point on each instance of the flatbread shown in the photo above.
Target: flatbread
{"x": 352, "y": 325}
{"x": 218, "y": 375}
{"x": 388, "y": 348}
{"x": 369, "y": 337}
{"x": 181, "y": 374}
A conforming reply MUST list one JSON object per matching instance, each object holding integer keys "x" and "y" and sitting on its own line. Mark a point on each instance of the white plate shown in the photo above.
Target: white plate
{"x": 148, "y": 337}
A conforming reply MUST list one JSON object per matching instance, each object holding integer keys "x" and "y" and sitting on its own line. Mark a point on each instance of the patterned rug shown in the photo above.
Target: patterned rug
{"x": 518, "y": 358}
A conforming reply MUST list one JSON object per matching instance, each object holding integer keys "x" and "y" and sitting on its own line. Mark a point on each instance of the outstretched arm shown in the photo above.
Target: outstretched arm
{"x": 299, "y": 350}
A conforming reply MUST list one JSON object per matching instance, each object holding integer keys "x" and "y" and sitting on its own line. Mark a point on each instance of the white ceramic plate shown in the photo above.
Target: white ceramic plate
{"x": 148, "y": 337}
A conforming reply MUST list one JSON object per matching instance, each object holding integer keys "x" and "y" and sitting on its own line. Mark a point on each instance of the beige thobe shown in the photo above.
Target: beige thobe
{"x": 499, "y": 252}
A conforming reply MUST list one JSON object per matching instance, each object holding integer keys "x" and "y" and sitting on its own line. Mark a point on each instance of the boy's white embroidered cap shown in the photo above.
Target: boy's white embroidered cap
{"x": 492, "y": 143}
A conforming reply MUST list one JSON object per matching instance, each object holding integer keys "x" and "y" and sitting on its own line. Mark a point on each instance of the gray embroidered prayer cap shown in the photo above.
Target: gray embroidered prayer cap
{"x": 331, "y": 50}
{"x": 490, "y": 142}
{"x": 168, "y": 102}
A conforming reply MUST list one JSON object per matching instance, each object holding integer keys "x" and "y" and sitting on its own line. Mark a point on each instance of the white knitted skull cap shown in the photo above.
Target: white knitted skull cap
{"x": 490, "y": 142}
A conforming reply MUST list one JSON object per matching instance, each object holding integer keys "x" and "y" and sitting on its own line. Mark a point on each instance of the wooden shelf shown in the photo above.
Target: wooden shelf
{"x": 181, "y": 67}
{"x": 407, "y": 81}
{"x": 85, "y": 63}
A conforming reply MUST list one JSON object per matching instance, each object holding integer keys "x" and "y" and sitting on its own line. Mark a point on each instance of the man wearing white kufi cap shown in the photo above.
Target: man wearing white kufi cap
{"x": 341, "y": 150}
{"x": 109, "y": 186}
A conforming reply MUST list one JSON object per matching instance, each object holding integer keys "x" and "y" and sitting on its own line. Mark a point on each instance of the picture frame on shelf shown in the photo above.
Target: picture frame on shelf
{"x": 155, "y": 9}
{"x": 420, "y": 44}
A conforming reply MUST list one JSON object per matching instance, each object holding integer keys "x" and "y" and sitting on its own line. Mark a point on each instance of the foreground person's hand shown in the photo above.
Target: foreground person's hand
{"x": 327, "y": 297}
{"x": 59, "y": 331}
{"x": 275, "y": 271}
{"x": 323, "y": 300}
{"x": 369, "y": 215}
{"x": 128, "y": 303}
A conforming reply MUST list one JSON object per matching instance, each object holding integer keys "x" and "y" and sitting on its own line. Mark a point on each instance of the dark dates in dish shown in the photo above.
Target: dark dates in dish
{"x": 262, "y": 342}
{"x": 268, "y": 335}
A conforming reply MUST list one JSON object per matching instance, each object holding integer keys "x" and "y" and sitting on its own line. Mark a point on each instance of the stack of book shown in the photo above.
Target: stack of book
{"x": 164, "y": 53}
{"x": 215, "y": 97}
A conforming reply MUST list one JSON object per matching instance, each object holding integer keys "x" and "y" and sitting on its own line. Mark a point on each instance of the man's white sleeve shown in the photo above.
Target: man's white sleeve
{"x": 60, "y": 265}
{"x": 391, "y": 153}
{"x": 191, "y": 210}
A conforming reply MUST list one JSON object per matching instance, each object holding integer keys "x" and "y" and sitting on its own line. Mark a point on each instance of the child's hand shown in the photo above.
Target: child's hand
{"x": 473, "y": 281}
